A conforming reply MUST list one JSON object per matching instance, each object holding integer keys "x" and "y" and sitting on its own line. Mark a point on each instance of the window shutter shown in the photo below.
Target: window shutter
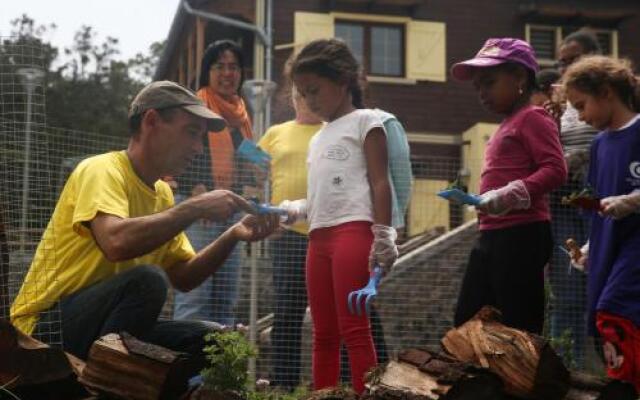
{"x": 426, "y": 51}
{"x": 311, "y": 26}
{"x": 544, "y": 41}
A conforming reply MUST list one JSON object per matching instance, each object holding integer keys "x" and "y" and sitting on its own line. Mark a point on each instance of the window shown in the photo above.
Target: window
{"x": 545, "y": 39}
{"x": 378, "y": 47}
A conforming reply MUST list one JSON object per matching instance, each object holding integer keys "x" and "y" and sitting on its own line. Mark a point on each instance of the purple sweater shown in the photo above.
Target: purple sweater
{"x": 527, "y": 147}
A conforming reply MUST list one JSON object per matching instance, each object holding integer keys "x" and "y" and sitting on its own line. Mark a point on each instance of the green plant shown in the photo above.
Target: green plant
{"x": 563, "y": 345}
{"x": 228, "y": 354}
{"x": 300, "y": 393}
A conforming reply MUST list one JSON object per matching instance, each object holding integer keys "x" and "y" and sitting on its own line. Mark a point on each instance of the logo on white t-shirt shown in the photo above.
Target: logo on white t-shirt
{"x": 634, "y": 168}
{"x": 336, "y": 152}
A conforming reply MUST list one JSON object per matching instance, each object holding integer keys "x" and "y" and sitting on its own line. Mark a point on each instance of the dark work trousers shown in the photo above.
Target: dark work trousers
{"x": 289, "y": 253}
{"x": 506, "y": 270}
{"x": 130, "y": 301}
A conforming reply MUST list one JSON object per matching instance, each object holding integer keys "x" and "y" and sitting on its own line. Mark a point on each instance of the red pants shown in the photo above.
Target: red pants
{"x": 625, "y": 336}
{"x": 337, "y": 264}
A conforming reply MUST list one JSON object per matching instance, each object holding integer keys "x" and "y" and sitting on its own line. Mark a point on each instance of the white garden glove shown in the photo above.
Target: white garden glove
{"x": 296, "y": 210}
{"x": 383, "y": 250}
{"x": 500, "y": 201}
{"x": 621, "y": 206}
{"x": 580, "y": 263}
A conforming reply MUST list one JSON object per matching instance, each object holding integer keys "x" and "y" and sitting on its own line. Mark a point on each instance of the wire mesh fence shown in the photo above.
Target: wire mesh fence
{"x": 416, "y": 301}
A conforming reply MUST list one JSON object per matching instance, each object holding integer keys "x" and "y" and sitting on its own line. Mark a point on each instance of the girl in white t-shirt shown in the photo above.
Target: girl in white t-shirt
{"x": 348, "y": 207}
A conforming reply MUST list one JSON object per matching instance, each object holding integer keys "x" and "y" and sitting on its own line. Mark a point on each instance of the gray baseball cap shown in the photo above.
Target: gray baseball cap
{"x": 166, "y": 94}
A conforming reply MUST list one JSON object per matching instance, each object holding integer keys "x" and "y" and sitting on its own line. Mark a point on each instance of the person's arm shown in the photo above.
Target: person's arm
{"x": 540, "y": 136}
{"x": 186, "y": 275}
{"x": 126, "y": 238}
{"x": 384, "y": 251}
{"x": 375, "y": 149}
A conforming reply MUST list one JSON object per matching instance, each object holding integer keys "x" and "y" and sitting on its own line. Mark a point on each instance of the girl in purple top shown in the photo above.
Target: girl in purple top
{"x": 523, "y": 163}
{"x": 604, "y": 92}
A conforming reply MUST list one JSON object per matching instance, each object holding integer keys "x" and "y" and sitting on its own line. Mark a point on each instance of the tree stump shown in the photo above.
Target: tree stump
{"x": 34, "y": 370}
{"x": 526, "y": 363}
{"x": 122, "y": 365}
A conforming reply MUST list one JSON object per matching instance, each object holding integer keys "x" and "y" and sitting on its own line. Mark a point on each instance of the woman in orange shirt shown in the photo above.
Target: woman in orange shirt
{"x": 222, "y": 73}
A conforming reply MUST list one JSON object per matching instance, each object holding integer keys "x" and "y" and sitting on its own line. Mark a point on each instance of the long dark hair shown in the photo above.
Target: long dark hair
{"x": 331, "y": 59}
{"x": 213, "y": 53}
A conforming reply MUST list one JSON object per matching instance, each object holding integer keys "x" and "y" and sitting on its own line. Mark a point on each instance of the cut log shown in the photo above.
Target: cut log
{"x": 27, "y": 361}
{"x": 525, "y": 362}
{"x": 423, "y": 375}
{"x": 126, "y": 367}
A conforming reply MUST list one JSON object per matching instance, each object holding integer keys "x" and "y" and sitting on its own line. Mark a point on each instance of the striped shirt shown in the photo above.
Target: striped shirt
{"x": 575, "y": 134}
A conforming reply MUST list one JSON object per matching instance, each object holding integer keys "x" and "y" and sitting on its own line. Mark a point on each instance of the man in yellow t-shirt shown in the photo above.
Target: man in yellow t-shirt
{"x": 115, "y": 238}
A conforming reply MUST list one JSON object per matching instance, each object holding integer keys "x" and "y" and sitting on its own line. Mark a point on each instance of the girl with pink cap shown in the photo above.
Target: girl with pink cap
{"x": 523, "y": 162}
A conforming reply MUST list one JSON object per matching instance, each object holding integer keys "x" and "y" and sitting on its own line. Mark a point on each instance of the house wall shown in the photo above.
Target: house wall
{"x": 429, "y": 107}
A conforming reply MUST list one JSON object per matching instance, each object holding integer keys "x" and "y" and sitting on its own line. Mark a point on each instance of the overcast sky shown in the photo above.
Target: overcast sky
{"x": 135, "y": 23}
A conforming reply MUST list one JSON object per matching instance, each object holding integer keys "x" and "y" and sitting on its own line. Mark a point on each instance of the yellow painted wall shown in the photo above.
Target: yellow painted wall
{"x": 474, "y": 142}
{"x": 426, "y": 209}
{"x": 425, "y": 40}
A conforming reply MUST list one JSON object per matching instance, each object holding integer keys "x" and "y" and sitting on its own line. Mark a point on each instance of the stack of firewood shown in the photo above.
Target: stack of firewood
{"x": 484, "y": 359}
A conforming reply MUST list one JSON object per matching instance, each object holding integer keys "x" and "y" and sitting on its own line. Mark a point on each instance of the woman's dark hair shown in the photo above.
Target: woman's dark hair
{"x": 587, "y": 40}
{"x": 213, "y": 53}
{"x": 545, "y": 78}
{"x": 593, "y": 74}
{"x": 332, "y": 59}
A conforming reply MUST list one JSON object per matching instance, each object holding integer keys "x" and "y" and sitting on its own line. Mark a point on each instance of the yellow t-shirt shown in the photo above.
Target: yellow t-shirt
{"x": 287, "y": 144}
{"x": 67, "y": 258}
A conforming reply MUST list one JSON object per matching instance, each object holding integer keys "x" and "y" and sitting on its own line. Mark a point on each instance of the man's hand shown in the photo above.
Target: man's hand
{"x": 252, "y": 228}
{"x": 219, "y": 205}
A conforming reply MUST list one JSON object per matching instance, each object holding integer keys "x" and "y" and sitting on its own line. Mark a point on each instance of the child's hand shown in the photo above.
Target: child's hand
{"x": 612, "y": 357}
{"x": 621, "y": 206}
{"x": 383, "y": 249}
{"x": 500, "y": 201}
{"x": 578, "y": 255}
{"x": 296, "y": 210}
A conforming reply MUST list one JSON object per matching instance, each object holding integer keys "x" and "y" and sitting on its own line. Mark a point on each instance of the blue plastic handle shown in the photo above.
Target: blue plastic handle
{"x": 252, "y": 153}
{"x": 267, "y": 209}
{"x": 460, "y": 196}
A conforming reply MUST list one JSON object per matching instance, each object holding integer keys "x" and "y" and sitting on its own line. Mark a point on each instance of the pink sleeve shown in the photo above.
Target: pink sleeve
{"x": 540, "y": 136}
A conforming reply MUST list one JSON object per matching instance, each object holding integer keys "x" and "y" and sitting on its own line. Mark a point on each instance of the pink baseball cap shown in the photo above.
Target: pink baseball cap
{"x": 496, "y": 52}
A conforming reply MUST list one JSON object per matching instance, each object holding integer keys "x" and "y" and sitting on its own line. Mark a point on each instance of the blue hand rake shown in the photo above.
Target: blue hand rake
{"x": 367, "y": 293}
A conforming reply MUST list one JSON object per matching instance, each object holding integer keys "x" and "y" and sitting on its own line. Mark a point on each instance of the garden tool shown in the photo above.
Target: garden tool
{"x": 265, "y": 208}
{"x": 460, "y": 196}
{"x": 254, "y": 154}
{"x": 367, "y": 294}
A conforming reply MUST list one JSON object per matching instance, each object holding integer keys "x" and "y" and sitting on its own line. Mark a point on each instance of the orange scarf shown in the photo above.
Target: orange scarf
{"x": 220, "y": 143}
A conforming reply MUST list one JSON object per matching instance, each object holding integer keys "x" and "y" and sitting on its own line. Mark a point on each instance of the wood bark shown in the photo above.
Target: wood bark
{"x": 27, "y": 361}
{"x": 423, "y": 375}
{"x": 525, "y": 362}
{"x": 123, "y": 366}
